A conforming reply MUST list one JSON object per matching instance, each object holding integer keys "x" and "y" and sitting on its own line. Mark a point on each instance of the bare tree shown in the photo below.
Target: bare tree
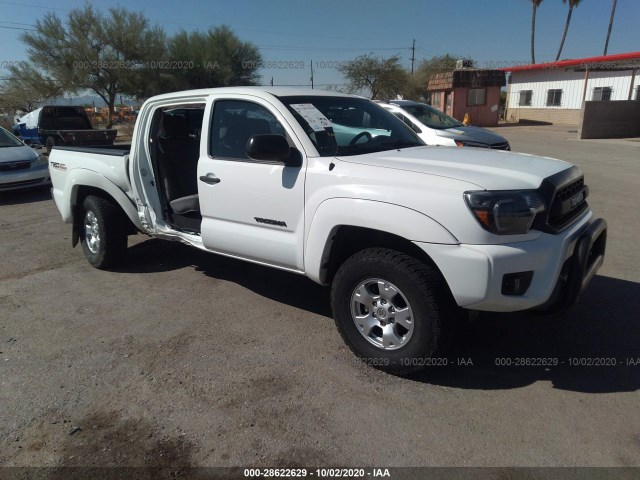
{"x": 384, "y": 78}
{"x": 25, "y": 88}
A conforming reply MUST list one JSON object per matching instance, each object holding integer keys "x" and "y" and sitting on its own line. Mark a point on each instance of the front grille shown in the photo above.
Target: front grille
{"x": 568, "y": 204}
{"x": 13, "y": 166}
{"x": 500, "y": 146}
{"x": 24, "y": 183}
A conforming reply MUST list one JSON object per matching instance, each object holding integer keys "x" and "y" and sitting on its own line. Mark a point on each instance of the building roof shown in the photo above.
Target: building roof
{"x": 470, "y": 78}
{"x": 613, "y": 62}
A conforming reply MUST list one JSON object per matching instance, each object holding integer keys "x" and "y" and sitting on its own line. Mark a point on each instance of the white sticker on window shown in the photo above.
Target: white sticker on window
{"x": 312, "y": 115}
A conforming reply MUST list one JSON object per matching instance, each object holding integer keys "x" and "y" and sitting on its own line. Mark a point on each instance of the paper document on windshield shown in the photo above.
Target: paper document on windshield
{"x": 312, "y": 115}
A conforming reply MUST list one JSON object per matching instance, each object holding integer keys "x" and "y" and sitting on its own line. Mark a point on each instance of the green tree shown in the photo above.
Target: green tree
{"x": 613, "y": 12}
{"x": 215, "y": 58}
{"x": 384, "y": 78}
{"x": 572, "y": 5}
{"x": 25, "y": 88}
{"x": 108, "y": 54}
{"x": 535, "y": 4}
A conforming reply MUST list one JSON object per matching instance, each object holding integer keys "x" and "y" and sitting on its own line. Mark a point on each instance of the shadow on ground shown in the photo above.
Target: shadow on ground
{"x": 284, "y": 287}
{"x": 32, "y": 195}
{"x": 595, "y": 344}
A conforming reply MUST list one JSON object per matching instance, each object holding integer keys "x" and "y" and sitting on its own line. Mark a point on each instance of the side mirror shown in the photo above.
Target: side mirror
{"x": 272, "y": 148}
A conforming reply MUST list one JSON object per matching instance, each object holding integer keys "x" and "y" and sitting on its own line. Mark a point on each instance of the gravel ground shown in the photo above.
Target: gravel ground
{"x": 182, "y": 358}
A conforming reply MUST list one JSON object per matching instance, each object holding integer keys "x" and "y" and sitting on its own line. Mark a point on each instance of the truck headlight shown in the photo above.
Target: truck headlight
{"x": 505, "y": 212}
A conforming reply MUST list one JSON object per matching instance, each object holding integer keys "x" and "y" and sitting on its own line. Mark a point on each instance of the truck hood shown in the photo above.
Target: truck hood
{"x": 487, "y": 169}
{"x": 471, "y": 134}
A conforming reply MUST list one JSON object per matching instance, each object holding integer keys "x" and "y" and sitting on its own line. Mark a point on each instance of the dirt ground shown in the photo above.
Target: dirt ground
{"x": 181, "y": 358}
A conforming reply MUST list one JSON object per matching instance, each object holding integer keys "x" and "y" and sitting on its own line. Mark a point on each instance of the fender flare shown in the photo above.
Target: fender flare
{"x": 386, "y": 217}
{"x": 80, "y": 177}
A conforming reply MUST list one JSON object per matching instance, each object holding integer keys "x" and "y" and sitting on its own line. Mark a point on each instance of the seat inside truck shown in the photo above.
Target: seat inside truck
{"x": 178, "y": 150}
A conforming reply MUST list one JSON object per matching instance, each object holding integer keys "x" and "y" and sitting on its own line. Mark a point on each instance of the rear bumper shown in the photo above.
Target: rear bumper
{"x": 562, "y": 266}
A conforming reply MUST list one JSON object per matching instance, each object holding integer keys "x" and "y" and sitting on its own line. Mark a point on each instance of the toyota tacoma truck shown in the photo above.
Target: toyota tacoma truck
{"x": 336, "y": 188}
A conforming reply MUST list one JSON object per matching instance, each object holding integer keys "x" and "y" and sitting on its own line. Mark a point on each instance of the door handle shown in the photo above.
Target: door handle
{"x": 210, "y": 179}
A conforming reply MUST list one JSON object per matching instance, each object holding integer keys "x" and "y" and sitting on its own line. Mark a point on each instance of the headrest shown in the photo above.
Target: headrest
{"x": 175, "y": 126}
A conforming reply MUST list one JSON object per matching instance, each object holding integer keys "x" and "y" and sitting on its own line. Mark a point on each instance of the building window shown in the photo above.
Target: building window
{"x": 601, "y": 94}
{"x": 638, "y": 92}
{"x": 476, "y": 96}
{"x": 435, "y": 99}
{"x": 525, "y": 98}
{"x": 554, "y": 98}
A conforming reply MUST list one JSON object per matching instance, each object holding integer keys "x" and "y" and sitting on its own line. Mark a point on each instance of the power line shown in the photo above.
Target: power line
{"x": 330, "y": 49}
{"x": 35, "y": 6}
{"x": 17, "y": 23}
{"x": 18, "y": 28}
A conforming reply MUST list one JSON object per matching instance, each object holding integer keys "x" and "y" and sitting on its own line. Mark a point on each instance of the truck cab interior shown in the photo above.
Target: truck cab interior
{"x": 175, "y": 147}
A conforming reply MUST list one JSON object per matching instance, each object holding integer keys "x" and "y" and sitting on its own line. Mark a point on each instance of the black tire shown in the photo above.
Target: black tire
{"x": 50, "y": 143}
{"x": 110, "y": 223}
{"x": 425, "y": 291}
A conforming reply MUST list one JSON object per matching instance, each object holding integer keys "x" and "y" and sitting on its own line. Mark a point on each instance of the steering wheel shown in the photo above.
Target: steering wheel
{"x": 355, "y": 139}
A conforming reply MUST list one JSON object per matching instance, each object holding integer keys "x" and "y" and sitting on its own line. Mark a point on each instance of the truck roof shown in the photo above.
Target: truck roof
{"x": 264, "y": 92}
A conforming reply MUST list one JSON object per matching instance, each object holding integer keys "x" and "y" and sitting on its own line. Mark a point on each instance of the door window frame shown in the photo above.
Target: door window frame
{"x": 289, "y": 135}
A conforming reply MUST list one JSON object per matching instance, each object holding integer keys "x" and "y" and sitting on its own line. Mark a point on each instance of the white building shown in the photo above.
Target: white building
{"x": 555, "y": 91}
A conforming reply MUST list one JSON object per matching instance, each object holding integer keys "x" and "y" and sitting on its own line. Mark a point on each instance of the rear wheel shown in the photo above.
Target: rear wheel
{"x": 102, "y": 232}
{"x": 389, "y": 308}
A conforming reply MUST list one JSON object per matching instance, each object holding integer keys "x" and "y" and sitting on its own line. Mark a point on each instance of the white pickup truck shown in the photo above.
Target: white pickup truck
{"x": 334, "y": 187}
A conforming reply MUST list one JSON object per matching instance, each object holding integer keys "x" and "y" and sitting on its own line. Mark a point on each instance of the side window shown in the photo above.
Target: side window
{"x": 407, "y": 122}
{"x": 234, "y": 122}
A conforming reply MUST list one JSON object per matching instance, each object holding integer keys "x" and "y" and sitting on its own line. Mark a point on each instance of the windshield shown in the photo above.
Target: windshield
{"x": 431, "y": 117}
{"x": 343, "y": 126}
{"x": 8, "y": 140}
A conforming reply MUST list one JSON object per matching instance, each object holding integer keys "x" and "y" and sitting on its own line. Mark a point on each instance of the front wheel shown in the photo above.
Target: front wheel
{"x": 389, "y": 308}
{"x": 102, "y": 232}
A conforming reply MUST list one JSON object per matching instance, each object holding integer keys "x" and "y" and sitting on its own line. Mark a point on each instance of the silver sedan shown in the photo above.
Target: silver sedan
{"x": 20, "y": 165}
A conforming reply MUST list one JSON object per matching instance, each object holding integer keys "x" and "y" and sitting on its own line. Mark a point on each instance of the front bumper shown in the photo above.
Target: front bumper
{"x": 32, "y": 177}
{"x": 562, "y": 264}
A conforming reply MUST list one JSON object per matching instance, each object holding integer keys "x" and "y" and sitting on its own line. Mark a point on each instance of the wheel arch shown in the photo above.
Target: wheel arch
{"x": 342, "y": 227}
{"x": 106, "y": 190}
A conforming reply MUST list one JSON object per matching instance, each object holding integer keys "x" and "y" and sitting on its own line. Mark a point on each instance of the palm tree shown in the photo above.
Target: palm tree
{"x": 536, "y": 4}
{"x": 613, "y": 12}
{"x": 572, "y": 5}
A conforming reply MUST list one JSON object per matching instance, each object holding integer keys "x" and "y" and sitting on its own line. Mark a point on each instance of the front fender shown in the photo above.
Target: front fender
{"x": 385, "y": 217}
{"x": 79, "y": 177}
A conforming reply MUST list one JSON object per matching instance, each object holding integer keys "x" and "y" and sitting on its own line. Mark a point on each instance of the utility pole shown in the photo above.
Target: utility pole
{"x": 311, "y": 74}
{"x": 272, "y": 81}
{"x": 413, "y": 55}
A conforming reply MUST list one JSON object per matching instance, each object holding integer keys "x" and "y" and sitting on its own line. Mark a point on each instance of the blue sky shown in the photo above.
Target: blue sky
{"x": 493, "y": 32}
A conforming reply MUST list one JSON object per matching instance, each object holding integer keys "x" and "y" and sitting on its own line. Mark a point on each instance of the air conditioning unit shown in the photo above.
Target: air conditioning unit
{"x": 464, "y": 63}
